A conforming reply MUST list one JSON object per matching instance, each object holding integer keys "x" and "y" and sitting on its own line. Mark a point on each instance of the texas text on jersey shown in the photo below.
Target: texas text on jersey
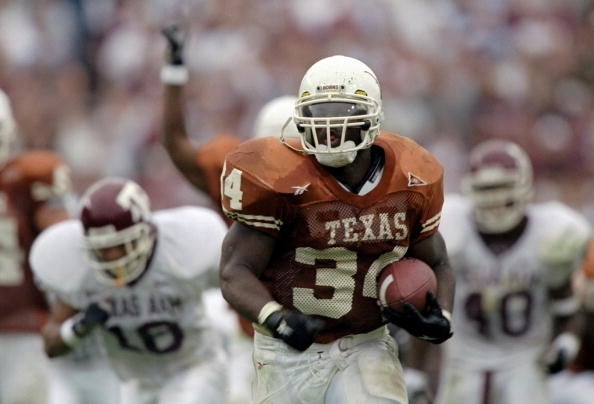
{"x": 326, "y": 277}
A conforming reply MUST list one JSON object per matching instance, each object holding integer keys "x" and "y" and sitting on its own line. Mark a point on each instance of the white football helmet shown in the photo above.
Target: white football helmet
{"x": 7, "y": 128}
{"x": 116, "y": 212}
{"x": 275, "y": 115}
{"x": 499, "y": 183}
{"x": 353, "y": 91}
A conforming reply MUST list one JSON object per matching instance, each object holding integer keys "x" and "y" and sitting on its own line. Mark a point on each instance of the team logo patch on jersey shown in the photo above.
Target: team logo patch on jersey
{"x": 414, "y": 181}
{"x": 300, "y": 189}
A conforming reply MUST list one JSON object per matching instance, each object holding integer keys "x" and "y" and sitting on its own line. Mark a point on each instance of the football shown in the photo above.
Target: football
{"x": 403, "y": 281}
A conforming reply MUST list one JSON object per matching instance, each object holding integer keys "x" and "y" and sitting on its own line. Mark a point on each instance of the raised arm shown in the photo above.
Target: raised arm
{"x": 174, "y": 137}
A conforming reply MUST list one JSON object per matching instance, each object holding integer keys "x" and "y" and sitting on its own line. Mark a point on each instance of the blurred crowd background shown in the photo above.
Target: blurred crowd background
{"x": 83, "y": 76}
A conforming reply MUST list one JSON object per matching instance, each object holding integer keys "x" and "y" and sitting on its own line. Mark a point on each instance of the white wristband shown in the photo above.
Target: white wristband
{"x": 568, "y": 343}
{"x": 176, "y": 75}
{"x": 67, "y": 332}
{"x": 267, "y": 310}
{"x": 446, "y": 314}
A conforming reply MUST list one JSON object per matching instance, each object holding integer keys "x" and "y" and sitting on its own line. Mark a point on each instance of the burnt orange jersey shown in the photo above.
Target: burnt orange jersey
{"x": 27, "y": 182}
{"x": 331, "y": 242}
{"x": 210, "y": 159}
{"x": 588, "y": 265}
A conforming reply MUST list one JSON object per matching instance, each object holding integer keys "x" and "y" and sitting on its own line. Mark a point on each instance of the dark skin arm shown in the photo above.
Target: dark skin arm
{"x": 433, "y": 251}
{"x": 175, "y": 138}
{"x": 422, "y": 355}
{"x": 52, "y": 341}
{"x": 245, "y": 254}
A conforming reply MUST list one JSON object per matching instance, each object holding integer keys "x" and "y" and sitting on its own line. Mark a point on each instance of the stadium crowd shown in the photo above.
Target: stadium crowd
{"x": 81, "y": 73}
{"x": 84, "y": 81}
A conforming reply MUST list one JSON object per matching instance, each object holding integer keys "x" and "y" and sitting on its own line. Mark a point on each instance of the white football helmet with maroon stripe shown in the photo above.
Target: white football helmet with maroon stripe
{"x": 116, "y": 212}
{"x": 500, "y": 184}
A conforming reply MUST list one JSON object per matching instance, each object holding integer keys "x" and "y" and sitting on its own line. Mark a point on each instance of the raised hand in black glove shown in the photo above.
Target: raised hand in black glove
{"x": 94, "y": 315}
{"x": 429, "y": 325}
{"x": 176, "y": 37}
{"x": 298, "y": 330}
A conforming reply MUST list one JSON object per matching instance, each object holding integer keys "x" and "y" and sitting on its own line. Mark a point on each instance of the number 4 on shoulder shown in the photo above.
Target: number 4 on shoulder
{"x": 232, "y": 189}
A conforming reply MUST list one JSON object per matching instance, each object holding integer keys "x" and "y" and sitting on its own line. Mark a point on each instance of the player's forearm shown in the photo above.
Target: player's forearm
{"x": 174, "y": 138}
{"x": 53, "y": 343}
{"x": 244, "y": 292}
{"x": 446, "y": 285}
{"x": 174, "y": 134}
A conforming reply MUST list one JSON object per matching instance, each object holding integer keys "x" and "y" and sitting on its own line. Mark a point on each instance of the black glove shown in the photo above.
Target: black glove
{"x": 94, "y": 315}
{"x": 430, "y": 325}
{"x": 298, "y": 330}
{"x": 176, "y": 37}
{"x": 562, "y": 351}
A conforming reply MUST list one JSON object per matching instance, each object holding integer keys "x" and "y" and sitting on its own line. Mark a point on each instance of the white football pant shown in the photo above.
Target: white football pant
{"x": 24, "y": 369}
{"x": 355, "y": 369}
{"x": 515, "y": 385}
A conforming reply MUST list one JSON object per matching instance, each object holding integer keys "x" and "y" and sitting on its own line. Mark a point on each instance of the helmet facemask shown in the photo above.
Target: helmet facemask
{"x": 339, "y": 110}
{"x": 500, "y": 186}
{"x": 137, "y": 242}
{"x": 329, "y": 137}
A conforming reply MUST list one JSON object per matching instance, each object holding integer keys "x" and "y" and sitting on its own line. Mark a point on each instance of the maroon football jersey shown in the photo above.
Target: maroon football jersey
{"x": 331, "y": 242}
{"x": 27, "y": 182}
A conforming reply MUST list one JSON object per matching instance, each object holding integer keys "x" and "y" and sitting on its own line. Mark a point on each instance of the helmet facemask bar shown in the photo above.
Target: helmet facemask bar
{"x": 137, "y": 240}
{"x": 499, "y": 197}
{"x": 312, "y": 127}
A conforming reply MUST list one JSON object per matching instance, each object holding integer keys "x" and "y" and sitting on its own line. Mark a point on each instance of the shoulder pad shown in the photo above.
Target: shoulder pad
{"x": 44, "y": 172}
{"x": 56, "y": 258}
{"x": 280, "y": 170}
{"x": 190, "y": 237}
{"x": 565, "y": 235}
{"x": 415, "y": 162}
{"x": 456, "y": 216}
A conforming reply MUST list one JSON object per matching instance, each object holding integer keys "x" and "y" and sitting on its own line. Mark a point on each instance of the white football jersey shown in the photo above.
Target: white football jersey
{"x": 158, "y": 324}
{"x": 502, "y": 310}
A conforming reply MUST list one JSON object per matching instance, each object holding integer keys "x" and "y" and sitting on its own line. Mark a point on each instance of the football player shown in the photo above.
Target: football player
{"x": 201, "y": 164}
{"x": 513, "y": 260}
{"x": 33, "y": 189}
{"x": 138, "y": 279}
{"x": 315, "y": 220}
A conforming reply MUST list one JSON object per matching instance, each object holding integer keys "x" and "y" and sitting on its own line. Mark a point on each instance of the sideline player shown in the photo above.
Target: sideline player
{"x": 315, "y": 219}
{"x": 33, "y": 189}
{"x": 513, "y": 261}
{"x": 138, "y": 279}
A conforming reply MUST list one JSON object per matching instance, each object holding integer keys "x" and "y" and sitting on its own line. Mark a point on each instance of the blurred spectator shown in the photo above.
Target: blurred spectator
{"x": 84, "y": 76}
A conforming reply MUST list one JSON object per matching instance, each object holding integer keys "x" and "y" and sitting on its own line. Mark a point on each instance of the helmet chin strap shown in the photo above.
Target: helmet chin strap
{"x": 336, "y": 159}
